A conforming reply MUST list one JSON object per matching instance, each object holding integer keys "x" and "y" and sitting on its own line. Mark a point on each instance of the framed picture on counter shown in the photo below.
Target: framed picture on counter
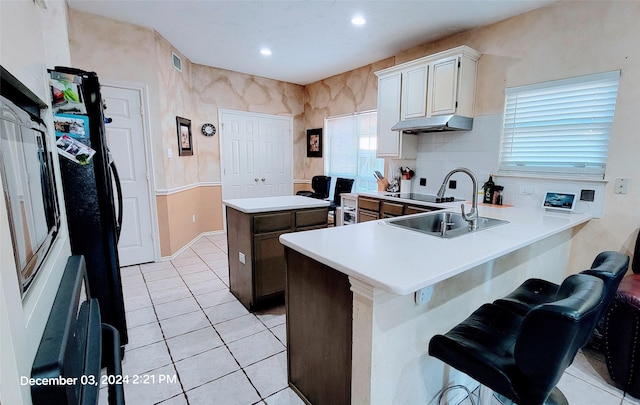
{"x": 314, "y": 142}
{"x": 185, "y": 147}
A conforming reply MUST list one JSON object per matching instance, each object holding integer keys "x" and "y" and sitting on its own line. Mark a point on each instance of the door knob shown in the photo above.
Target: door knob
{"x": 256, "y": 179}
{"x": 263, "y": 179}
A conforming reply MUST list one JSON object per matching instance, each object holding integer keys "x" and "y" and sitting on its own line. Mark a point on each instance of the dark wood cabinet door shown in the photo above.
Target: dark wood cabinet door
{"x": 415, "y": 209}
{"x": 369, "y": 204}
{"x": 364, "y": 216}
{"x": 390, "y": 209}
{"x": 311, "y": 218}
{"x": 269, "y": 264}
{"x": 319, "y": 330}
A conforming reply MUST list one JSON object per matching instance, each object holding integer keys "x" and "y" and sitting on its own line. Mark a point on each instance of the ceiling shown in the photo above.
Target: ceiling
{"x": 310, "y": 40}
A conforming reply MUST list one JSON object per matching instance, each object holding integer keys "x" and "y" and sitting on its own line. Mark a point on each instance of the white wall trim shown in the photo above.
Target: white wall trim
{"x": 176, "y": 190}
{"x": 188, "y": 245}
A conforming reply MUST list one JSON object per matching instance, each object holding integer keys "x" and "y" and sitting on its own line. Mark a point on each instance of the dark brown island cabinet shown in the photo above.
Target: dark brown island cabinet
{"x": 319, "y": 331}
{"x": 257, "y": 272}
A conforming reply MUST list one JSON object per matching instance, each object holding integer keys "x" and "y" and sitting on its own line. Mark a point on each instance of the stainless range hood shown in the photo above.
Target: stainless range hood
{"x": 434, "y": 124}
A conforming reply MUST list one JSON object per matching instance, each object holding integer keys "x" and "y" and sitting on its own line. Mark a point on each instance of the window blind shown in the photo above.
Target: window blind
{"x": 351, "y": 149}
{"x": 561, "y": 127}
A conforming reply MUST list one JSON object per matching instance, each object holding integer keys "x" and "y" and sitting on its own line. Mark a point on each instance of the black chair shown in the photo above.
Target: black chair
{"x": 522, "y": 357}
{"x": 342, "y": 186}
{"x": 608, "y": 266}
{"x": 320, "y": 186}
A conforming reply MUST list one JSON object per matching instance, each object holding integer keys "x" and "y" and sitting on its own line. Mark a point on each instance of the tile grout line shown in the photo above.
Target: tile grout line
{"x": 217, "y": 333}
{"x": 202, "y": 310}
{"x": 225, "y": 343}
{"x": 164, "y": 339}
{"x": 262, "y": 322}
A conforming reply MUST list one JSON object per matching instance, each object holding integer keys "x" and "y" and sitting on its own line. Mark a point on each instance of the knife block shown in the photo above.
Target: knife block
{"x": 405, "y": 186}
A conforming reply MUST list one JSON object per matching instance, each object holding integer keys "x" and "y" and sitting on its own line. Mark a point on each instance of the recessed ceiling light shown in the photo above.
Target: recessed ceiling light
{"x": 358, "y": 20}
{"x": 265, "y": 52}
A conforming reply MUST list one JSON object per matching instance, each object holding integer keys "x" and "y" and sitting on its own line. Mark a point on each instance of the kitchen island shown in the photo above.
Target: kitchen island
{"x": 354, "y": 331}
{"x": 256, "y": 258}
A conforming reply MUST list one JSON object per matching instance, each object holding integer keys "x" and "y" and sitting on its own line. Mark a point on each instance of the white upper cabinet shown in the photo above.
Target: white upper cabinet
{"x": 439, "y": 84}
{"x": 391, "y": 143}
{"x": 414, "y": 92}
{"x": 442, "y": 93}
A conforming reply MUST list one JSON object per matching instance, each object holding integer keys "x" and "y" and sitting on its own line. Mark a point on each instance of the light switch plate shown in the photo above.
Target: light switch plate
{"x": 241, "y": 257}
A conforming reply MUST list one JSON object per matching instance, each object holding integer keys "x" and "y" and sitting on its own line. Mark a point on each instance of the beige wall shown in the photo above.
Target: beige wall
{"x": 349, "y": 92}
{"x": 562, "y": 40}
{"x": 176, "y": 224}
{"x": 121, "y": 52}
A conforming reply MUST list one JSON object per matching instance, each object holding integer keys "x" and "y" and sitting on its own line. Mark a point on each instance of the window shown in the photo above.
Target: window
{"x": 351, "y": 149}
{"x": 559, "y": 128}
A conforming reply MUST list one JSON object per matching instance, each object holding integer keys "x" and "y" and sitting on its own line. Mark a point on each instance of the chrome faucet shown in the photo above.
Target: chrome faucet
{"x": 472, "y": 217}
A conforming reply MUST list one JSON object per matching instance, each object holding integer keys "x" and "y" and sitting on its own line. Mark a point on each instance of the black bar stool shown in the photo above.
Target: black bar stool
{"x": 522, "y": 357}
{"x": 608, "y": 266}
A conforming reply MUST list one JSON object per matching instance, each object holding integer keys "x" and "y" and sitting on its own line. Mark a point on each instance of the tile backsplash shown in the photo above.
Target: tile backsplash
{"x": 478, "y": 150}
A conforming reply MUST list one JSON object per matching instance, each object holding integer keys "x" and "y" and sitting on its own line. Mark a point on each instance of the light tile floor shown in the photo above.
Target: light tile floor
{"x": 191, "y": 341}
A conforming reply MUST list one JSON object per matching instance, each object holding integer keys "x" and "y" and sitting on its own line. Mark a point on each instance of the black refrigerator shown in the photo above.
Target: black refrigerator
{"x": 91, "y": 187}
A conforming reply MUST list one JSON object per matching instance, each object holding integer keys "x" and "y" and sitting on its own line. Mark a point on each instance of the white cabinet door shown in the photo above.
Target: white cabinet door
{"x": 388, "y": 114}
{"x": 443, "y": 86}
{"x": 414, "y": 92}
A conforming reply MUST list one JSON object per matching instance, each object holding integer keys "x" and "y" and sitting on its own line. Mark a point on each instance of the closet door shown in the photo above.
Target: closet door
{"x": 256, "y": 154}
{"x": 276, "y": 176}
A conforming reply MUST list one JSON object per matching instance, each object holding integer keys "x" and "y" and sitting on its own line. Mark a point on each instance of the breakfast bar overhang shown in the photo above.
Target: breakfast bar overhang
{"x": 351, "y": 290}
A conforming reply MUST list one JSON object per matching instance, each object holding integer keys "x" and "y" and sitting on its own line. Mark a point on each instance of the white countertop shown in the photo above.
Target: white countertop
{"x": 279, "y": 203}
{"x": 402, "y": 261}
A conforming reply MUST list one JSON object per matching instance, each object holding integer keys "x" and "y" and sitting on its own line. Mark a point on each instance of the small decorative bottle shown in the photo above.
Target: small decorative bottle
{"x": 488, "y": 190}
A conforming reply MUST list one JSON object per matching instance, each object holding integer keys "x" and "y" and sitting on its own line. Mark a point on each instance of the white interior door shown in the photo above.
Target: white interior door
{"x": 126, "y": 142}
{"x": 256, "y": 155}
{"x": 240, "y": 173}
{"x": 275, "y": 157}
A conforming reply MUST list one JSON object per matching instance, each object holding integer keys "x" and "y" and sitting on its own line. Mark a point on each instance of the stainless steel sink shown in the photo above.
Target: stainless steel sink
{"x": 443, "y": 224}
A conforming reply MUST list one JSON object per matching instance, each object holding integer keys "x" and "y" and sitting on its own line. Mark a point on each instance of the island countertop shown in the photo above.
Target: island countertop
{"x": 402, "y": 261}
{"x": 278, "y": 203}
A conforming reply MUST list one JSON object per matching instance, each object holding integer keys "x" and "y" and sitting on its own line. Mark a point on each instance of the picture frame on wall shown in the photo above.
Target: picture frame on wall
{"x": 314, "y": 142}
{"x": 185, "y": 145}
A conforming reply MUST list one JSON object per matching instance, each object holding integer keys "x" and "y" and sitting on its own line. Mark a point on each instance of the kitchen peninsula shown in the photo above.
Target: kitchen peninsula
{"x": 256, "y": 258}
{"x": 354, "y": 331}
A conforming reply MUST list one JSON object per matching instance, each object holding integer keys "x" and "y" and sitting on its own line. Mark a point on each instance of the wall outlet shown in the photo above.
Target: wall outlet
{"x": 525, "y": 190}
{"x": 241, "y": 258}
{"x": 453, "y": 184}
{"x": 621, "y": 186}
{"x": 423, "y": 181}
{"x": 193, "y": 218}
{"x": 423, "y": 295}
{"x": 169, "y": 153}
